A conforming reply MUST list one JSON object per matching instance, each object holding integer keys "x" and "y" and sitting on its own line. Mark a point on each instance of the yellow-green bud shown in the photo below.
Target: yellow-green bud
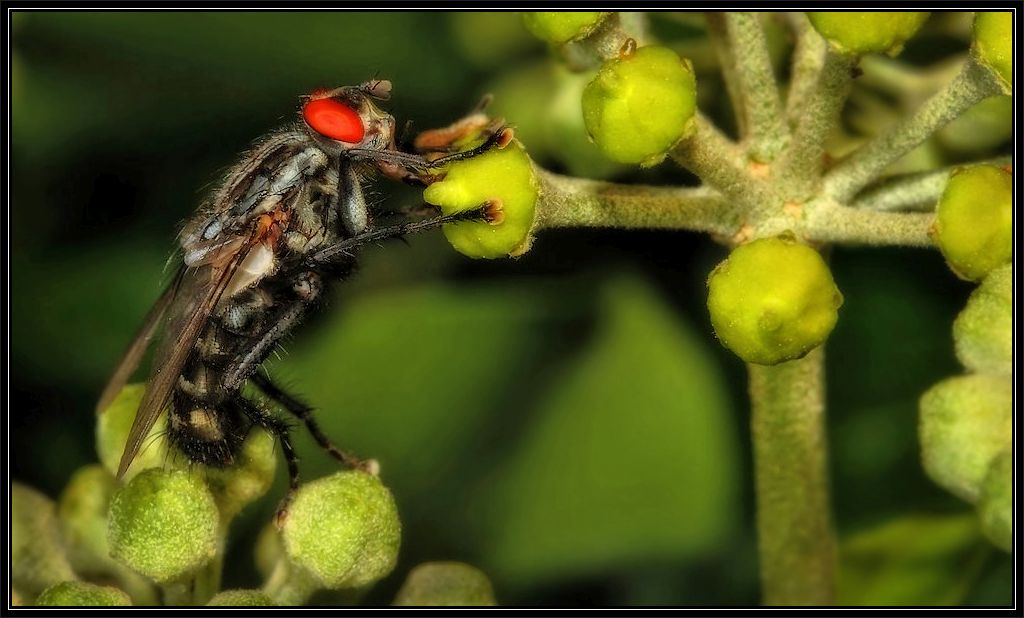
{"x": 446, "y": 584}
{"x": 996, "y": 501}
{"x": 993, "y": 40}
{"x": 503, "y": 177}
{"x": 164, "y": 524}
{"x": 82, "y": 594}
{"x": 983, "y": 332}
{"x": 965, "y": 422}
{"x": 867, "y": 32}
{"x": 241, "y": 598}
{"x": 773, "y": 300}
{"x": 82, "y": 510}
{"x": 113, "y": 426}
{"x": 344, "y": 530}
{"x": 562, "y": 26}
{"x": 248, "y": 477}
{"x": 37, "y": 555}
{"x": 974, "y": 220}
{"x": 640, "y": 104}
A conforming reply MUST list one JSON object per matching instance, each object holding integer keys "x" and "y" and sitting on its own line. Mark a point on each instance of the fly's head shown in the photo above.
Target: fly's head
{"x": 348, "y": 117}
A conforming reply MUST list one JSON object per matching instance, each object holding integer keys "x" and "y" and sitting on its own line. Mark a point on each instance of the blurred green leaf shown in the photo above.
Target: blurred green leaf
{"x": 912, "y": 560}
{"x": 629, "y": 459}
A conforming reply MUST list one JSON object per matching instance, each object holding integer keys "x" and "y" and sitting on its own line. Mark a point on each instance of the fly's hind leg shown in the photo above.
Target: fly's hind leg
{"x": 280, "y": 430}
{"x": 305, "y": 413}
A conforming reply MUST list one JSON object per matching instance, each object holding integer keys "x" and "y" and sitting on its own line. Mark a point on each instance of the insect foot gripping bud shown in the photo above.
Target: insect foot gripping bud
{"x": 974, "y": 220}
{"x": 983, "y": 332}
{"x": 562, "y": 26}
{"x": 164, "y": 524}
{"x": 869, "y": 32}
{"x": 81, "y": 594}
{"x": 446, "y": 584}
{"x": 502, "y": 178}
{"x": 344, "y": 530}
{"x": 965, "y": 422}
{"x": 640, "y": 104}
{"x": 241, "y": 598}
{"x": 993, "y": 40}
{"x": 996, "y": 504}
{"x": 113, "y": 426}
{"x": 773, "y": 300}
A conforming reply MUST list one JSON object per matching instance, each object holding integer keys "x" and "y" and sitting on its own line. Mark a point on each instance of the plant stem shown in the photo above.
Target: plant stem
{"x": 807, "y": 63}
{"x": 758, "y": 93}
{"x": 816, "y": 118}
{"x": 913, "y": 192}
{"x": 718, "y": 162}
{"x": 717, "y": 35}
{"x": 826, "y": 221}
{"x": 974, "y": 82}
{"x": 579, "y": 202}
{"x": 796, "y": 542}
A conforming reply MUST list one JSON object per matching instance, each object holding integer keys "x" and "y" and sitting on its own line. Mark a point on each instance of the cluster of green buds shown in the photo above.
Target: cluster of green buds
{"x": 159, "y": 535}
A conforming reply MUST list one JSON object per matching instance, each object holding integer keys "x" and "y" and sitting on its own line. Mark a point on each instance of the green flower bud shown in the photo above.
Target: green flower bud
{"x": 974, "y": 220}
{"x": 81, "y": 594}
{"x": 503, "y": 177}
{"x": 446, "y": 584}
{"x": 248, "y": 478}
{"x": 562, "y": 26}
{"x": 566, "y": 132}
{"x": 867, "y": 32}
{"x": 983, "y": 332}
{"x": 344, "y": 530}
{"x": 82, "y": 510}
{"x": 241, "y": 598}
{"x": 269, "y": 550}
{"x": 773, "y": 300}
{"x": 640, "y": 105}
{"x": 965, "y": 422}
{"x": 113, "y": 426}
{"x": 37, "y": 556}
{"x": 996, "y": 501}
{"x": 993, "y": 41}
{"x": 164, "y": 524}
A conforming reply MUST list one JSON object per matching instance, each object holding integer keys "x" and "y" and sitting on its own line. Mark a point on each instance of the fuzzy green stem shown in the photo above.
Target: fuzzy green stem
{"x": 796, "y": 541}
{"x": 579, "y": 202}
{"x": 606, "y": 41}
{"x": 913, "y": 192}
{"x": 759, "y": 99}
{"x": 207, "y": 581}
{"x": 828, "y": 222}
{"x": 177, "y": 594}
{"x": 816, "y": 118}
{"x": 974, "y": 82}
{"x": 719, "y": 163}
{"x": 718, "y": 36}
{"x": 288, "y": 586}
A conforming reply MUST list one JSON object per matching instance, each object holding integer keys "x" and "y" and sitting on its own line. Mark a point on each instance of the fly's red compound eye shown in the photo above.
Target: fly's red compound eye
{"x": 334, "y": 119}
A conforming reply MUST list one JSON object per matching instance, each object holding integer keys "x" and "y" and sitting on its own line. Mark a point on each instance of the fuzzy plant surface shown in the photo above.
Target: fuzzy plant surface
{"x": 778, "y": 187}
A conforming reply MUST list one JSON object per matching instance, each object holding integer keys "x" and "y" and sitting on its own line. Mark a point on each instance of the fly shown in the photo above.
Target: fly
{"x": 285, "y": 223}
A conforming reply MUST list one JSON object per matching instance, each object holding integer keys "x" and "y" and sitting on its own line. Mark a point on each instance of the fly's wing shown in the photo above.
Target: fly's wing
{"x": 199, "y": 291}
{"x": 133, "y": 355}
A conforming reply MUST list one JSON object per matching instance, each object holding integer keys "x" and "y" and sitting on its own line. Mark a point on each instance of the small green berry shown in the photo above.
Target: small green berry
{"x": 37, "y": 554}
{"x": 562, "y": 26}
{"x": 867, "y": 32}
{"x": 964, "y": 423}
{"x": 502, "y": 177}
{"x": 241, "y": 598}
{"x": 344, "y": 529}
{"x": 974, "y": 220}
{"x": 113, "y": 426}
{"x": 446, "y": 584}
{"x": 993, "y": 40}
{"x": 82, "y": 510}
{"x": 164, "y": 524}
{"x": 640, "y": 104}
{"x": 996, "y": 502}
{"x": 248, "y": 478}
{"x": 82, "y": 594}
{"x": 983, "y": 332}
{"x": 773, "y": 300}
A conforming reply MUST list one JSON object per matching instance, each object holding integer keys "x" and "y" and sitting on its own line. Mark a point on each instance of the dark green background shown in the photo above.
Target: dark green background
{"x": 566, "y": 421}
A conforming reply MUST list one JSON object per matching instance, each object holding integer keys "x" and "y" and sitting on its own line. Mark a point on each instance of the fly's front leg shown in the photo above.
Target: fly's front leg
{"x": 398, "y": 164}
{"x": 490, "y": 212}
{"x": 305, "y": 414}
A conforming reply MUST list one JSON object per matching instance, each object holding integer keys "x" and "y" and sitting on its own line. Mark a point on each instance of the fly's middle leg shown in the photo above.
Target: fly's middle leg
{"x": 280, "y": 430}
